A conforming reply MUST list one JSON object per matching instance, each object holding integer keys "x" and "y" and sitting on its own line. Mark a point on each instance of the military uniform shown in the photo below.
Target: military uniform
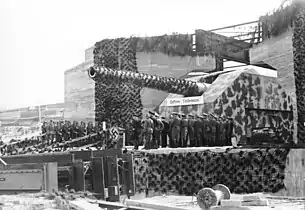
{"x": 164, "y": 132}
{"x": 58, "y": 135}
{"x": 175, "y": 130}
{"x": 191, "y": 130}
{"x": 184, "y": 129}
{"x": 51, "y": 132}
{"x": 90, "y": 128}
{"x": 158, "y": 129}
{"x": 65, "y": 131}
{"x": 207, "y": 132}
{"x": 82, "y": 129}
{"x": 154, "y": 143}
{"x": 199, "y": 131}
{"x": 213, "y": 123}
{"x": 136, "y": 131}
{"x": 148, "y": 127}
{"x": 229, "y": 131}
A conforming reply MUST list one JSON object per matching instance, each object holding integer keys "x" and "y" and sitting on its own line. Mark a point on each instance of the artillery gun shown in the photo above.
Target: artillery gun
{"x": 166, "y": 84}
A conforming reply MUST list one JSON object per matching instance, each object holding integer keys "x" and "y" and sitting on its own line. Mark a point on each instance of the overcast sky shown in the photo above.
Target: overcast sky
{"x": 40, "y": 39}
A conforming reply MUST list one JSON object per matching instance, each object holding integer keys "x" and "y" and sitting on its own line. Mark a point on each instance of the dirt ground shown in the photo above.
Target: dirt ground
{"x": 189, "y": 202}
{"x": 60, "y": 201}
{"x": 41, "y": 201}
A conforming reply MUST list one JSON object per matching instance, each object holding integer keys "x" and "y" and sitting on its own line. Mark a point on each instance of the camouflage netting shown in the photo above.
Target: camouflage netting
{"x": 259, "y": 170}
{"x": 299, "y": 66}
{"x": 116, "y": 102}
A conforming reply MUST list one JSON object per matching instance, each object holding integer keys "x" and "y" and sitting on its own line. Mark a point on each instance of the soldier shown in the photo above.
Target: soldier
{"x": 136, "y": 127}
{"x": 191, "y": 133}
{"x": 44, "y": 131}
{"x": 205, "y": 122}
{"x": 82, "y": 129}
{"x": 175, "y": 129}
{"x": 164, "y": 132}
{"x": 70, "y": 127}
{"x": 229, "y": 131}
{"x": 148, "y": 127}
{"x": 158, "y": 129}
{"x": 170, "y": 122}
{"x": 58, "y": 134}
{"x": 184, "y": 131}
{"x": 221, "y": 131}
{"x": 90, "y": 128}
{"x": 51, "y": 132}
{"x": 199, "y": 131}
{"x": 153, "y": 144}
{"x": 65, "y": 131}
{"x": 213, "y": 122}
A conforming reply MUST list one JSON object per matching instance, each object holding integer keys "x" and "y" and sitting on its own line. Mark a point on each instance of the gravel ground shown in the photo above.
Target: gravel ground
{"x": 59, "y": 201}
{"x": 41, "y": 201}
{"x": 189, "y": 202}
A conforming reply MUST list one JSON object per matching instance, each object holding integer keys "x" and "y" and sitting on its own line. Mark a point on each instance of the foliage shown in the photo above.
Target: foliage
{"x": 174, "y": 45}
{"x": 278, "y": 21}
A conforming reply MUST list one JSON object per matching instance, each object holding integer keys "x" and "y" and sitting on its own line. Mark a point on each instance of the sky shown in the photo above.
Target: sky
{"x": 40, "y": 39}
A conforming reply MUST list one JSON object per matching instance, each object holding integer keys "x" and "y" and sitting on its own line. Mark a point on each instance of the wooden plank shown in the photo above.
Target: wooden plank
{"x": 131, "y": 176}
{"x": 113, "y": 179}
{"x": 117, "y": 206}
{"x": 23, "y": 166}
{"x": 98, "y": 177}
{"x": 78, "y": 176}
{"x": 60, "y": 158}
{"x": 84, "y": 205}
{"x": 145, "y": 205}
{"x": 226, "y": 47}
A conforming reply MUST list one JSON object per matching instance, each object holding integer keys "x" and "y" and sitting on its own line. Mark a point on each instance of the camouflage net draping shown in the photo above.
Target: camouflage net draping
{"x": 261, "y": 170}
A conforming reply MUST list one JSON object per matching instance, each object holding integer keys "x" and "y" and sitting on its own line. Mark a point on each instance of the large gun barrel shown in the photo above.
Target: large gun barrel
{"x": 166, "y": 84}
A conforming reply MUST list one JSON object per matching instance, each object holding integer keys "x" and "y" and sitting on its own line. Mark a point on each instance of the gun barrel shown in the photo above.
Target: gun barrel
{"x": 170, "y": 85}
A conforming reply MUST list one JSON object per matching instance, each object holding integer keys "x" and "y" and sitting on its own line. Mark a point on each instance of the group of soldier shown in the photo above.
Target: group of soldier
{"x": 180, "y": 130}
{"x": 65, "y": 130}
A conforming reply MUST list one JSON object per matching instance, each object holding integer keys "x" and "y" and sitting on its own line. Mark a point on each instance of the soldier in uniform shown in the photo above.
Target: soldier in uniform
{"x": 70, "y": 127}
{"x": 82, "y": 129}
{"x": 90, "y": 128}
{"x": 51, "y": 132}
{"x": 213, "y": 122}
{"x": 164, "y": 132}
{"x": 170, "y": 122}
{"x": 229, "y": 131}
{"x": 153, "y": 143}
{"x": 158, "y": 129}
{"x": 207, "y": 131}
{"x": 136, "y": 127}
{"x": 221, "y": 131}
{"x": 175, "y": 129}
{"x": 58, "y": 133}
{"x": 191, "y": 130}
{"x": 44, "y": 131}
{"x": 65, "y": 131}
{"x": 148, "y": 128}
{"x": 199, "y": 131}
{"x": 184, "y": 131}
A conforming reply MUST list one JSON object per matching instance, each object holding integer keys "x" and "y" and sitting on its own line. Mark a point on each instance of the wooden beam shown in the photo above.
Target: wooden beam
{"x": 233, "y": 26}
{"x": 226, "y": 47}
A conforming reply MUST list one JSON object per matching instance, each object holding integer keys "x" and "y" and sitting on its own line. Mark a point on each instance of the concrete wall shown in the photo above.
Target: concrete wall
{"x": 278, "y": 53}
{"x": 79, "y": 94}
{"x": 161, "y": 65}
{"x": 79, "y": 88}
